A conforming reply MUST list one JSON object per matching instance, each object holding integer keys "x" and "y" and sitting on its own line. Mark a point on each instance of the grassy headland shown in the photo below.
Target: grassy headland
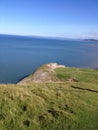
{"x": 69, "y": 102}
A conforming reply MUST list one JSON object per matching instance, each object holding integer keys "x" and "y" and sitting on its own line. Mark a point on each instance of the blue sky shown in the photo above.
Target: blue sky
{"x": 56, "y": 18}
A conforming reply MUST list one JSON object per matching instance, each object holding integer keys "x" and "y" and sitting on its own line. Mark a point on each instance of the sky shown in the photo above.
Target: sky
{"x": 50, "y": 18}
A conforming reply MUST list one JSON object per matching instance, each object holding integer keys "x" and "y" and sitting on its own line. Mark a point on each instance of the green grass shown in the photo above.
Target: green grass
{"x": 52, "y": 106}
{"x": 85, "y": 75}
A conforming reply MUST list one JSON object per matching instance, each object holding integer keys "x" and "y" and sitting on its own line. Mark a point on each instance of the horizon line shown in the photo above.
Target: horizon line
{"x": 41, "y": 36}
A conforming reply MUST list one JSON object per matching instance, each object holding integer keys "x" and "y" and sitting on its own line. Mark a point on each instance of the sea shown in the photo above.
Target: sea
{"x": 22, "y": 55}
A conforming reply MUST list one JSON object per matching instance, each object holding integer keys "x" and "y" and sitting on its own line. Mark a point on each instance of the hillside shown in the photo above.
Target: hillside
{"x": 45, "y": 73}
{"x": 52, "y": 98}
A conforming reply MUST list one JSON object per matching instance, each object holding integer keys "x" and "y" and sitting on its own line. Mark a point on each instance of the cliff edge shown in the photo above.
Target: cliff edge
{"x": 45, "y": 73}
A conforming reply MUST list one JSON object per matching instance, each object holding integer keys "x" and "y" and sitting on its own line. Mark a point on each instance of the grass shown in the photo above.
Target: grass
{"x": 85, "y": 75}
{"x": 63, "y": 105}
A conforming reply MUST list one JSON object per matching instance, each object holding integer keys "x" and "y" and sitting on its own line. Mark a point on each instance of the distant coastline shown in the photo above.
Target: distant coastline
{"x": 37, "y": 36}
{"x": 91, "y": 40}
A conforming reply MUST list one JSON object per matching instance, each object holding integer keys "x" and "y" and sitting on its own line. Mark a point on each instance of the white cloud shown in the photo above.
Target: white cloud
{"x": 90, "y": 35}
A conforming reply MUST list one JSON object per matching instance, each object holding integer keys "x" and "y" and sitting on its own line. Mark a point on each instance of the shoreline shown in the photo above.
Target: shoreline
{"x": 26, "y": 76}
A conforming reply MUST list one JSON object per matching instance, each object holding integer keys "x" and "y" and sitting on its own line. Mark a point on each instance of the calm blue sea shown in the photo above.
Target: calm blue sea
{"x": 20, "y": 56}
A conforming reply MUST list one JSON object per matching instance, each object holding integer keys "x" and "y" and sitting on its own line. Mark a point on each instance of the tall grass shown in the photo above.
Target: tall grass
{"x": 52, "y": 106}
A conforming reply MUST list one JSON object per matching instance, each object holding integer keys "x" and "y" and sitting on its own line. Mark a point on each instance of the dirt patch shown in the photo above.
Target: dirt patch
{"x": 45, "y": 73}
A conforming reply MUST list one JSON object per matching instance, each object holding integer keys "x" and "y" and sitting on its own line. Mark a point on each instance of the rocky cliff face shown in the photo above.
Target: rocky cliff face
{"x": 45, "y": 73}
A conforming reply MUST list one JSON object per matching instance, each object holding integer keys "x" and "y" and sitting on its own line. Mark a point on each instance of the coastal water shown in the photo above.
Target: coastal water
{"x": 20, "y": 56}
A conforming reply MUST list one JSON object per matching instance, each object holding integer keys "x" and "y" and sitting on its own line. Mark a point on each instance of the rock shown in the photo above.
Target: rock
{"x": 55, "y": 65}
{"x": 45, "y": 73}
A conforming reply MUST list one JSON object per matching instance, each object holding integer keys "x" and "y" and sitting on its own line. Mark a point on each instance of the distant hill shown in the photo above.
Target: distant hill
{"x": 92, "y": 40}
{"x": 54, "y": 97}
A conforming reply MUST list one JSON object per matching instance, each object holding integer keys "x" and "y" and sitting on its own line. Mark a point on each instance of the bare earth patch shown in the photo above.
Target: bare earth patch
{"x": 45, "y": 73}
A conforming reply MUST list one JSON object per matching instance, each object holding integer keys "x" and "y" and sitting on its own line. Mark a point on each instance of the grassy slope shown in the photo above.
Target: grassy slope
{"x": 63, "y": 105}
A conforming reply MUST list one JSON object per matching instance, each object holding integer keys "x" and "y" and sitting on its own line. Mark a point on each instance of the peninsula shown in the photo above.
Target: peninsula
{"x": 54, "y": 97}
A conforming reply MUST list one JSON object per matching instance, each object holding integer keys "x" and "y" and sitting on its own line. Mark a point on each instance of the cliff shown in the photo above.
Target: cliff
{"x": 54, "y": 97}
{"x": 45, "y": 73}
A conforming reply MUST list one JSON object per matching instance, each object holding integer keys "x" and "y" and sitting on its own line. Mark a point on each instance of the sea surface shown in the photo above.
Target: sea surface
{"x": 21, "y": 55}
